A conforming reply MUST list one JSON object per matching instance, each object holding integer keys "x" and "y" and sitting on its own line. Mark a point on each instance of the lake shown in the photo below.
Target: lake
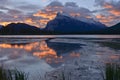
{"x": 37, "y": 55}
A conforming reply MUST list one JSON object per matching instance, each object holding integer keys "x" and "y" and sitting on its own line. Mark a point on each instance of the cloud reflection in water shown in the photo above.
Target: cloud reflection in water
{"x": 51, "y": 52}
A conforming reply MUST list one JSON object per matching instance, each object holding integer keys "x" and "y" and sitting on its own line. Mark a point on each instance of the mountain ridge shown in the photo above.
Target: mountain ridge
{"x": 61, "y": 24}
{"x": 19, "y": 29}
{"x": 66, "y": 24}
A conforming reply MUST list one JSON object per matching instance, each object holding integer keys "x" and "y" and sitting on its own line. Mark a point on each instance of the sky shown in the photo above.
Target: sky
{"x": 39, "y": 12}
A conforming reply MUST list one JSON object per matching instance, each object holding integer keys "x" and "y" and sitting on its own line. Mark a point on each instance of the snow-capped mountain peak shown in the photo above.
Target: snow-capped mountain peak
{"x": 80, "y": 18}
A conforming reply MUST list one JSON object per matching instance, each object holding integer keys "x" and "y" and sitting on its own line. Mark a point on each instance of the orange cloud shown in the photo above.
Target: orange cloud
{"x": 105, "y": 19}
{"x": 9, "y": 22}
{"x": 112, "y": 9}
{"x": 43, "y": 22}
{"x": 43, "y": 16}
{"x": 5, "y": 23}
{"x": 47, "y": 14}
{"x": 38, "y": 19}
{"x": 99, "y": 16}
{"x": 115, "y": 12}
{"x": 107, "y": 5}
{"x": 29, "y": 20}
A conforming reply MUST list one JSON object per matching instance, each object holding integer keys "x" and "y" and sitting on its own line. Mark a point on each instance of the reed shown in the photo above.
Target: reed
{"x": 112, "y": 71}
{"x": 6, "y": 74}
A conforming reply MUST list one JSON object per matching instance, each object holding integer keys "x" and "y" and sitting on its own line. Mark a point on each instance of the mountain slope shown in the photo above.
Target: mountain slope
{"x": 19, "y": 29}
{"x": 66, "y": 24}
{"x": 112, "y": 30}
{"x": 1, "y": 26}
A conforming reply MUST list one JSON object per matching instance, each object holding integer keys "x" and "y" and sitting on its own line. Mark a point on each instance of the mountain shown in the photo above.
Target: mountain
{"x": 114, "y": 29}
{"x": 1, "y": 26}
{"x": 69, "y": 25}
{"x": 19, "y": 29}
{"x": 62, "y": 24}
{"x": 1, "y": 29}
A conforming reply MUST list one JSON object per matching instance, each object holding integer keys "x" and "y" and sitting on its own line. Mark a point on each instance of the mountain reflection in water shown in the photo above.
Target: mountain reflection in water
{"x": 51, "y": 52}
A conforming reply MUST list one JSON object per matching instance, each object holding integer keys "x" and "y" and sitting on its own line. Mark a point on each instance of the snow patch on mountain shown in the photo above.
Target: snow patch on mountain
{"x": 81, "y": 18}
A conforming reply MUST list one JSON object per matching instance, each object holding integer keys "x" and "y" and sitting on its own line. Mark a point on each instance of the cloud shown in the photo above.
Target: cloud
{"x": 55, "y": 4}
{"x": 27, "y": 12}
{"x": 42, "y": 16}
{"x": 3, "y": 2}
{"x": 111, "y": 11}
{"x": 23, "y": 5}
{"x": 3, "y": 8}
{"x": 28, "y": 7}
{"x": 71, "y": 4}
{"x": 10, "y": 15}
{"x": 70, "y": 8}
{"x": 14, "y": 12}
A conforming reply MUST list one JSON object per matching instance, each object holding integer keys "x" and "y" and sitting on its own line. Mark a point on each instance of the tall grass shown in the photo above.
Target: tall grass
{"x": 112, "y": 71}
{"x": 6, "y": 74}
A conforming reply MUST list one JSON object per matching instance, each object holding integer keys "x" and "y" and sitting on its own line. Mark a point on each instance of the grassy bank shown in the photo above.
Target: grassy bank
{"x": 112, "y": 71}
{"x": 6, "y": 74}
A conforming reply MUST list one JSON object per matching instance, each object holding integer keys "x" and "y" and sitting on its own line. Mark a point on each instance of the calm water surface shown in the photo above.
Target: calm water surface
{"x": 46, "y": 53}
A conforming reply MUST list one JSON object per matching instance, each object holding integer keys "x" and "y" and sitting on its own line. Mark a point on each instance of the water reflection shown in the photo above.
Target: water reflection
{"x": 61, "y": 48}
{"x": 52, "y": 52}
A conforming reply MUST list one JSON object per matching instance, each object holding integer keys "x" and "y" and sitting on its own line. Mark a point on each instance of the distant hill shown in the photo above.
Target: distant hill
{"x": 65, "y": 24}
{"x": 114, "y": 29}
{"x": 19, "y": 29}
{"x": 1, "y": 29}
{"x": 1, "y": 26}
